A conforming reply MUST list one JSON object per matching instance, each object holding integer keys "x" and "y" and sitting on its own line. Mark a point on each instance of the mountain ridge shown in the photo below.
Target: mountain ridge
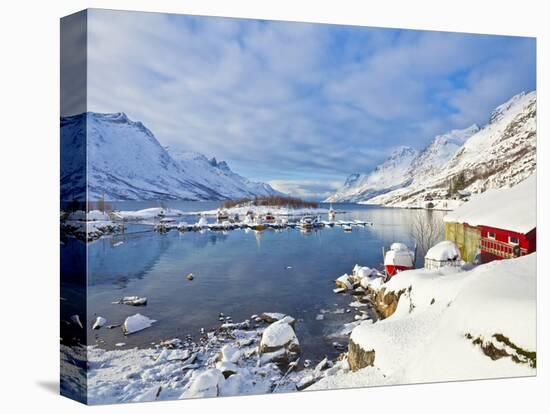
{"x": 501, "y": 153}
{"x": 125, "y": 161}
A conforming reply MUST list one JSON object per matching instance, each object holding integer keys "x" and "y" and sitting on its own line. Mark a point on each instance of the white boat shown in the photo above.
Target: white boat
{"x": 307, "y": 222}
{"x": 398, "y": 259}
{"x": 331, "y": 213}
{"x": 202, "y": 223}
{"x": 222, "y": 215}
{"x": 347, "y": 228}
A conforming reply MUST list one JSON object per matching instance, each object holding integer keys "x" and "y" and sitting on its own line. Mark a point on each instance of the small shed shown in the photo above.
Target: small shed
{"x": 443, "y": 254}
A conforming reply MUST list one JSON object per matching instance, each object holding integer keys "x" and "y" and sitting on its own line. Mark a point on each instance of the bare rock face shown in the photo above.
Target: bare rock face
{"x": 385, "y": 304}
{"x": 359, "y": 358}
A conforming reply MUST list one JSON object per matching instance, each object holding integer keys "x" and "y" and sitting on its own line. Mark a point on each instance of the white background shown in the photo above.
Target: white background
{"x": 29, "y": 163}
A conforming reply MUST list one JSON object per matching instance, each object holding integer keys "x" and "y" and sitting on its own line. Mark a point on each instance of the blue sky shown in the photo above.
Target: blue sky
{"x": 298, "y": 105}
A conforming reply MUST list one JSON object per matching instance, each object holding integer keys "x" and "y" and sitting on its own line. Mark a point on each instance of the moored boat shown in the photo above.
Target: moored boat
{"x": 331, "y": 213}
{"x": 307, "y": 222}
{"x": 222, "y": 215}
{"x": 269, "y": 218}
{"x": 398, "y": 259}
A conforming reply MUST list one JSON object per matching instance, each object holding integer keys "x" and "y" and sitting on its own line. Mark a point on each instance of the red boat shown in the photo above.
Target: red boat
{"x": 398, "y": 259}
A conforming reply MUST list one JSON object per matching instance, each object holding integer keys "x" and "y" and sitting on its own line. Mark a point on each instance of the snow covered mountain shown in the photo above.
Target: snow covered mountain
{"x": 126, "y": 162}
{"x": 500, "y": 154}
{"x": 393, "y": 173}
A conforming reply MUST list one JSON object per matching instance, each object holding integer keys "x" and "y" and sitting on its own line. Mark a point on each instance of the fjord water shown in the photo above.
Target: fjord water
{"x": 238, "y": 273}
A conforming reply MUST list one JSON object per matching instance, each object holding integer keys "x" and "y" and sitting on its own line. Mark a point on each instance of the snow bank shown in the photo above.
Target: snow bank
{"x": 506, "y": 208}
{"x": 449, "y": 322}
{"x": 205, "y": 384}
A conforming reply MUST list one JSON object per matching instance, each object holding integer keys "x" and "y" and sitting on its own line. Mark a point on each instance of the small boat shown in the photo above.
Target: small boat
{"x": 269, "y": 218}
{"x": 222, "y": 215}
{"x": 347, "y": 228}
{"x": 307, "y": 222}
{"x": 398, "y": 259}
{"x": 258, "y": 225}
{"x": 167, "y": 220}
{"x": 202, "y": 223}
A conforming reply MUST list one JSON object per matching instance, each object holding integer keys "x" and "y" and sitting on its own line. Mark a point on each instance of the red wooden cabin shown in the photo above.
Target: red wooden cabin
{"x": 504, "y": 222}
{"x": 499, "y": 244}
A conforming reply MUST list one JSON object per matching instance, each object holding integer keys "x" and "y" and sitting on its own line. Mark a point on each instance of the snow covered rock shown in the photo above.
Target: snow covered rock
{"x": 205, "y": 384}
{"x": 227, "y": 368}
{"x": 99, "y": 322}
{"x": 280, "y": 342}
{"x": 229, "y": 353}
{"x": 343, "y": 282}
{"x": 76, "y": 320}
{"x": 132, "y": 301}
{"x": 271, "y": 317}
{"x": 136, "y": 323}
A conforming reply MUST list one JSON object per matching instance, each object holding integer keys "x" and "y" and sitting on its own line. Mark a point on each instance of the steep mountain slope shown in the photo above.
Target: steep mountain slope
{"x": 126, "y": 162}
{"x": 391, "y": 174}
{"x": 441, "y": 150}
{"x": 502, "y": 153}
{"x": 217, "y": 176}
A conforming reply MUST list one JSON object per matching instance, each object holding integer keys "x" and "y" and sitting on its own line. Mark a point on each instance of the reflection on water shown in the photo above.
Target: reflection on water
{"x": 239, "y": 273}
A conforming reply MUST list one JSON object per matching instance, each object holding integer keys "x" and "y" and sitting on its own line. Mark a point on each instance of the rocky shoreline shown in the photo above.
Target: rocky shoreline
{"x": 259, "y": 355}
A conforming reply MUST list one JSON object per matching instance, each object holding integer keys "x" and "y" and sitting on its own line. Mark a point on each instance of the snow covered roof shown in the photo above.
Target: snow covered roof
{"x": 513, "y": 209}
{"x": 445, "y": 250}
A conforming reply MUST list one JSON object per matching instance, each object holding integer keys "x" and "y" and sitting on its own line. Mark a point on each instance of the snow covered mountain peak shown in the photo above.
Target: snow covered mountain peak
{"x": 391, "y": 174}
{"x": 126, "y": 162}
{"x": 502, "y": 153}
{"x": 501, "y": 110}
{"x": 402, "y": 151}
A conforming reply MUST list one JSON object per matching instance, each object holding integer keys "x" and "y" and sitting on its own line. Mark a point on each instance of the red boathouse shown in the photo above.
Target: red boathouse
{"x": 499, "y": 244}
{"x": 504, "y": 222}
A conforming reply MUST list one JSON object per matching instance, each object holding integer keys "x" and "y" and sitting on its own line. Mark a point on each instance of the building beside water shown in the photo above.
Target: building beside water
{"x": 498, "y": 224}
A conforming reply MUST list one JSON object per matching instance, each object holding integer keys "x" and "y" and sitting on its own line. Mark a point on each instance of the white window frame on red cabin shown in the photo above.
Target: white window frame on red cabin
{"x": 491, "y": 235}
{"x": 511, "y": 242}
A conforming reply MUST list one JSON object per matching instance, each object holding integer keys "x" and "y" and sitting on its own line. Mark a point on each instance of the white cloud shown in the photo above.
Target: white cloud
{"x": 278, "y": 99}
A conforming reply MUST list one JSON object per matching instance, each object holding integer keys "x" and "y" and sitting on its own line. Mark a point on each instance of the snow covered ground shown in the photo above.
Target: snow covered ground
{"x": 263, "y": 210}
{"x": 451, "y": 324}
{"x": 472, "y": 322}
{"x": 89, "y": 226}
{"x": 148, "y": 213}
{"x": 236, "y": 359}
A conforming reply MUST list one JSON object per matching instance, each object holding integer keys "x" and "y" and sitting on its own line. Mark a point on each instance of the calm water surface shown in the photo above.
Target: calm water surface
{"x": 238, "y": 272}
